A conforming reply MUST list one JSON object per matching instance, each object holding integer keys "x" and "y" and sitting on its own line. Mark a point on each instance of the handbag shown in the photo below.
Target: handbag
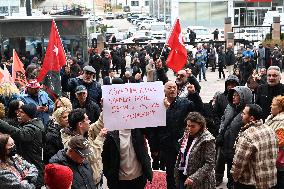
{"x": 280, "y": 158}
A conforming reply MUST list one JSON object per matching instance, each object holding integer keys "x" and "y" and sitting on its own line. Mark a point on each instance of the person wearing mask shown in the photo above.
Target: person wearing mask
{"x": 15, "y": 172}
{"x": 196, "y": 158}
{"x": 39, "y": 98}
{"x": 238, "y": 98}
{"x": 276, "y": 122}
{"x": 267, "y": 92}
{"x": 29, "y": 136}
{"x": 58, "y": 176}
{"x": 230, "y": 58}
{"x": 86, "y": 79}
{"x": 75, "y": 157}
{"x": 255, "y": 152}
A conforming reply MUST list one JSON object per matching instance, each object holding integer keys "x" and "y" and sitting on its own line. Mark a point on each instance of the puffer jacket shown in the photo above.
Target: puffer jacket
{"x": 82, "y": 173}
{"x": 29, "y": 137}
{"x": 8, "y": 178}
{"x": 232, "y": 121}
{"x": 96, "y": 146}
{"x": 201, "y": 162}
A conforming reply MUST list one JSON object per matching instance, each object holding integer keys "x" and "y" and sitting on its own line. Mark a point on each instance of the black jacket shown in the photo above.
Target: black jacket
{"x": 111, "y": 156}
{"x": 82, "y": 173}
{"x": 29, "y": 137}
{"x": 230, "y": 58}
{"x": 265, "y": 94}
{"x": 53, "y": 141}
{"x": 175, "y": 124}
{"x": 92, "y": 109}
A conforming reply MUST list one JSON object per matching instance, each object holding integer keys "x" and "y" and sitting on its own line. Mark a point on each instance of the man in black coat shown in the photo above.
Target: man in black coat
{"x": 29, "y": 136}
{"x": 230, "y": 58}
{"x": 107, "y": 80}
{"x": 177, "y": 110}
{"x": 92, "y": 109}
{"x": 266, "y": 92}
{"x": 96, "y": 63}
{"x": 75, "y": 157}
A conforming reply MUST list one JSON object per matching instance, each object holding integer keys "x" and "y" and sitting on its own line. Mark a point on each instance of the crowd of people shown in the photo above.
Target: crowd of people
{"x": 62, "y": 143}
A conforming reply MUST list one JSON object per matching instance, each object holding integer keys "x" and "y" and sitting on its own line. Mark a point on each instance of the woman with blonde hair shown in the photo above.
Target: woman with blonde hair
{"x": 62, "y": 102}
{"x": 276, "y": 122}
{"x": 53, "y": 134}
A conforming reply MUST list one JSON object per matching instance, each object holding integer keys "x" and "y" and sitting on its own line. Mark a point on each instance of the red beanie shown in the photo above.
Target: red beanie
{"x": 58, "y": 176}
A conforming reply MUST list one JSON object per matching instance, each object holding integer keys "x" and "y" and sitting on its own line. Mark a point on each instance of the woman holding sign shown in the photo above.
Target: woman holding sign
{"x": 195, "y": 164}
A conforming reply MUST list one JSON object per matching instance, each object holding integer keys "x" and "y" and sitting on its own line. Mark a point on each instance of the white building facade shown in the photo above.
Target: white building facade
{"x": 211, "y": 13}
{"x": 135, "y": 5}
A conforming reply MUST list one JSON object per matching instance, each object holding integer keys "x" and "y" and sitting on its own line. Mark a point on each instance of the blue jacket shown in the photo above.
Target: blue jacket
{"x": 42, "y": 99}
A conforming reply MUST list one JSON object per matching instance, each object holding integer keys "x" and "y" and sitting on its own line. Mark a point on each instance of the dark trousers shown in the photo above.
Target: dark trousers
{"x": 280, "y": 180}
{"x": 220, "y": 165}
{"x": 182, "y": 179}
{"x": 98, "y": 74}
{"x": 221, "y": 71}
{"x": 138, "y": 183}
{"x": 238, "y": 185}
{"x": 170, "y": 156}
{"x": 230, "y": 183}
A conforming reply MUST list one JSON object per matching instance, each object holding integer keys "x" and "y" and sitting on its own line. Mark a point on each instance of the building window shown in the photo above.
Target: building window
{"x": 134, "y": 3}
{"x": 4, "y": 10}
{"x": 147, "y": 3}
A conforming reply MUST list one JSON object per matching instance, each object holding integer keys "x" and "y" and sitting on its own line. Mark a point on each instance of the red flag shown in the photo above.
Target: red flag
{"x": 55, "y": 56}
{"x": 178, "y": 55}
{"x": 18, "y": 71}
{"x": 5, "y": 76}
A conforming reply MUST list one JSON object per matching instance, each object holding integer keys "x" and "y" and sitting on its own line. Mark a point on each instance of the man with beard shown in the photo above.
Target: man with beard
{"x": 86, "y": 79}
{"x": 28, "y": 135}
{"x": 39, "y": 98}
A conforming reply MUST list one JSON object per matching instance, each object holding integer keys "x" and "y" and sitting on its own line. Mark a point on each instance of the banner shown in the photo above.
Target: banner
{"x": 19, "y": 72}
{"x": 133, "y": 105}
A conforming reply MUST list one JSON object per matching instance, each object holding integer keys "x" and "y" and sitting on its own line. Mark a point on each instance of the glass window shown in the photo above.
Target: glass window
{"x": 264, "y": 4}
{"x": 134, "y": 3}
{"x": 277, "y": 3}
{"x": 218, "y": 13}
{"x": 187, "y": 13}
{"x": 14, "y": 9}
{"x": 250, "y": 17}
{"x": 236, "y": 17}
{"x": 147, "y": 3}
{"x": 202, "y": 14}
{"x": 4, "y": 10}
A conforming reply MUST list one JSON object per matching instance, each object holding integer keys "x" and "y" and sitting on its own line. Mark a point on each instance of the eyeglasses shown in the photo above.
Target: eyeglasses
{"x": 89, "y": 73}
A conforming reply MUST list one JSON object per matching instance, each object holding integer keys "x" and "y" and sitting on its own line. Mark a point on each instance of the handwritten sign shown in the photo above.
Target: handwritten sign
{"x": 133, "y": 105}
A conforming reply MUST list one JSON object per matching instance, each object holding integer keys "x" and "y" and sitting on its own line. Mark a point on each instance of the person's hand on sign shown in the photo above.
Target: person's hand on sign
{"x": 166, "y": 102}
{"x": 103, "y": 132}
{"x": 190, "y": 88}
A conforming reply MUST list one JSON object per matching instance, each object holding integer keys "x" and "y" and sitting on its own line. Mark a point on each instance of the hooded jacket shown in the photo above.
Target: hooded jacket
{"x": 232, "y": 121}
{"x": 222, "y": 99}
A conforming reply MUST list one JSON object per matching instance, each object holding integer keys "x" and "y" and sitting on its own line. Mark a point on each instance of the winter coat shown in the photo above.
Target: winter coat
{"x": 175, "y": 124}
{"x": 111, "y": 156}
{"x": 93, "y": 88}
{"x": 53, "y": 141}
{"x": 42, "y": 99}
{"x": 92, "y": 109}
{"x": 265, "y": 94}
{"x": 9, "y": 179}
{"x": 95, "y": 143}
{"x": 232, "y": 120}
{"x": 230, "y": 58}
{"x": 246, "y": 69}
{"x": 201, "y": 162}
{"x": 29, "y": 137}
{"x": 82, "y": 173}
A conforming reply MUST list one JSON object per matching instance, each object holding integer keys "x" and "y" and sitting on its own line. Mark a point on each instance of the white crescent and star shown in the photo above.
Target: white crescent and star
{"x": 55, "y": 50}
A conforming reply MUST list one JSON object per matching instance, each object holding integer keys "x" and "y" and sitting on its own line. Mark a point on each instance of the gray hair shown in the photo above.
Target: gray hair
{"x": 276, "y": 68}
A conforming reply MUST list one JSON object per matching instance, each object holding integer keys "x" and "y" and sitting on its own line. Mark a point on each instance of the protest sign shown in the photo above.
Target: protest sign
{"x": 133, "y": 105}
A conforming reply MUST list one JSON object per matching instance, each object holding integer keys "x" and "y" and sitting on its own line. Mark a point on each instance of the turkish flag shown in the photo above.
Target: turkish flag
{"x": 18, "y": 71}
{"x": 55, "y": 55}
{"x": 256, "y": 1}
{"x": 54, "y": 59}
{"x": 178, "y": 55}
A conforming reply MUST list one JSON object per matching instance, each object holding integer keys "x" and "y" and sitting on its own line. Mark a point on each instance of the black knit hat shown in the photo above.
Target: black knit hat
{"x": 30, "y": 109}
